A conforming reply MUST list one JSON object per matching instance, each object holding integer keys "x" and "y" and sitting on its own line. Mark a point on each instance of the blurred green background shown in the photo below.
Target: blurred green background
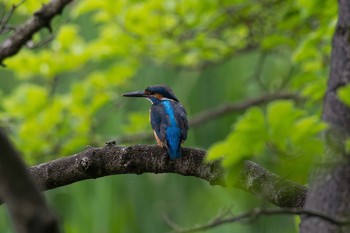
{"x": 63, "y": 92}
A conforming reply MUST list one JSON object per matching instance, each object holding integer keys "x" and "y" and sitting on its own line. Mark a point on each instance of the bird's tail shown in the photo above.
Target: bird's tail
{"x": 174, "y": 153}
{"x": 174, "y": 143}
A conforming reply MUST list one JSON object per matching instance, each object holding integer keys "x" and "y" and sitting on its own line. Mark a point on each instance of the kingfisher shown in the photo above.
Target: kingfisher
{"x": 168, "y": 117}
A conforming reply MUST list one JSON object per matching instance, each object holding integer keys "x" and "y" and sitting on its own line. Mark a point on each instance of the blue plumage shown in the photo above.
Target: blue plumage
{"x": 173, "y": 132}
{"x": 168, "y": 118}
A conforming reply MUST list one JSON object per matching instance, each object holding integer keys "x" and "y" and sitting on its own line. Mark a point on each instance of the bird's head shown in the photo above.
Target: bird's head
{"x": 157, "y": 92}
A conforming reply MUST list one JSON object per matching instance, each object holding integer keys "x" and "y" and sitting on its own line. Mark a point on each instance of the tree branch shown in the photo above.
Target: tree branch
{"x": 25, "y": 203}
{"x": 269, "y": 186}
{"x": 216, "y": 112}
{"x": 42, "y": 18}
{"x": 225, "y": 109}
{"x": 138, "y": 159}
{"x": 115, "y": 160}
{"x": 258, "y": 213}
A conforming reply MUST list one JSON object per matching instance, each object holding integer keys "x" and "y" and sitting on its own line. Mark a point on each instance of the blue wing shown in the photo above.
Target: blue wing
{"x": 181, "y": 117}
{"x": 157, "y": 114}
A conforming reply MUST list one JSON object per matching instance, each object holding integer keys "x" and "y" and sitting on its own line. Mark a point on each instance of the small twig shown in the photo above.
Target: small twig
{"x": 31, "y": 45}
{"x": 258, "y": 71}
{"x": 224, "y": 109}
{"x": 255, "y": 213}
{"x": 171, "y": 223}
{"x": 286, "y": 80}
{"x": 5, "y": 18}
{"x": 41, "y": 19}
{"x": 226, "y": 211}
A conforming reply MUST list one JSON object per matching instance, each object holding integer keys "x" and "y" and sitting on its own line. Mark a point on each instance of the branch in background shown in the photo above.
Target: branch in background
{"x": 6, "y": 16}
{"x": 225, "y": 109}
{"x": 216, "y": 112}
{"x": 138, "y": 159}
{"x": 43, "y": 42}
{"x": 42, "y": 18}
{"x": 258, "y": 213}
{"x": 24, "y": 201}
{"x": 258, "y": 70}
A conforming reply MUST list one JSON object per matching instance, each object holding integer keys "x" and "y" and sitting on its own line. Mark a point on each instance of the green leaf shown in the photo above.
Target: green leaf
{"x": 347, "y": 146}
{"x": 280, "y": 117}
{"x": 273, "y": 41}
{"x": 344, "y": 94}
{"x": 315, "y": 90}
{"x": 307, "y": 127}
{"x": 246, "y": 140}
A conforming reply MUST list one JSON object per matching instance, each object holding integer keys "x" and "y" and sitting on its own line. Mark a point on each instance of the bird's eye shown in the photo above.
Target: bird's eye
{"x": 149, "y": 92}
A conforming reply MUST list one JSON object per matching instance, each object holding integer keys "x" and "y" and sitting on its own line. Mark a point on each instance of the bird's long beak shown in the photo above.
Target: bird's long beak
{"x": 135, "y": 94}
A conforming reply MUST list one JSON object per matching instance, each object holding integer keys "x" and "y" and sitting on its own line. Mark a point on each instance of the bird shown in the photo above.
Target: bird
{"x": 168, "y": 117}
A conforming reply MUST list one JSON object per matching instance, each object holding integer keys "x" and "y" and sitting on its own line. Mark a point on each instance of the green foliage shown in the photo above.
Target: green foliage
{"x": 347, "y": 146}
{"x": 138, "y": 122}
{"x": 312, "y": 55}
{"x": 59, "y": 97}
{"x": 283, "y": 129}
{"x": 81, "y": 70}
{"x": 26, "y": 7}
{"x": 175, "y": 32}
{"x": 344, "y": 94}
{"x": 246, "y": 140}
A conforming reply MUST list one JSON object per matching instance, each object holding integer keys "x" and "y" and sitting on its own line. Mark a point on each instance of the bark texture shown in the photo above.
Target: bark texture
{"x": 267, "y": 185}
{"x": 330, "y": 183}
{"x": 42, "y": 18}
{"x": 138, "y": 159}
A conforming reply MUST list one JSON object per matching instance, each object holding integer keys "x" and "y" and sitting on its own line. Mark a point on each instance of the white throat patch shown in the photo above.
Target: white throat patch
{"x": 166, "y": 99}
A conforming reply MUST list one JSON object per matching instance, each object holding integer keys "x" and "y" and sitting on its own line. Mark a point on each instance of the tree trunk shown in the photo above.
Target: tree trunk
{"x": 329, "y": 191}
{"x": 26, "y": 204}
